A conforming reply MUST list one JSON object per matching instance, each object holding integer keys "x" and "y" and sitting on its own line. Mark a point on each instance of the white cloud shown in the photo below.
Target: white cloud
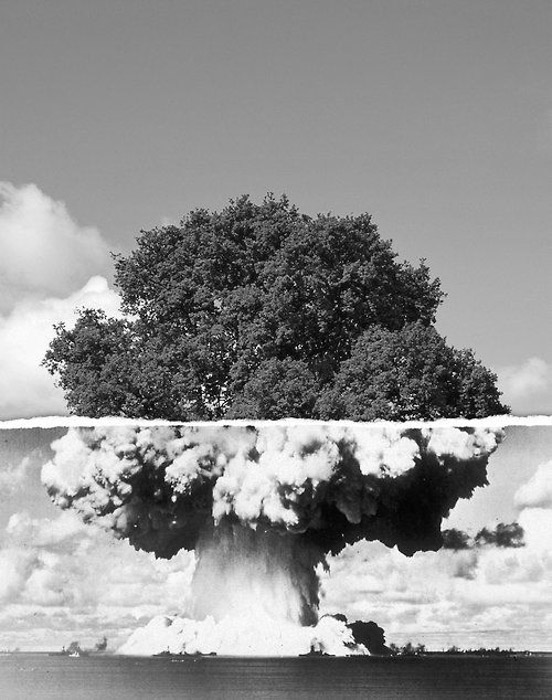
{"x": 59, "y": 575}
{"x": 22, "y": 530}
{"x": 26, "y": 388}
{"x": 13, "y": 476}
{"x": 49, "y": 266}
{"x": 537, "y": 492}
{"x": 485, "y": 596}
{"x": 527, "y": 388}
{"x": 43, "y": 252}
{"x": 16, "y": 566}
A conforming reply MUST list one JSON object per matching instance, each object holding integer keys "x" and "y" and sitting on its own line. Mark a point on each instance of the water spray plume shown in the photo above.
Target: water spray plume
{"x": 262, "y": 507}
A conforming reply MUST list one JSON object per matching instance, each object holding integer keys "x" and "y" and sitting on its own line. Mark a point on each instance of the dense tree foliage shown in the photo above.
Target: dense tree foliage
{"x": 259, "y": 311}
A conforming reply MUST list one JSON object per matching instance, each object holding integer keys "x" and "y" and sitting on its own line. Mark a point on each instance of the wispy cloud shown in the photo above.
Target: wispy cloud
{"x": 13, "y": 476}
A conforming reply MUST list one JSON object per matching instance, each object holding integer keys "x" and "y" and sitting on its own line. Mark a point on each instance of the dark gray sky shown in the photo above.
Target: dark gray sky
{"x": 433, "y": 115}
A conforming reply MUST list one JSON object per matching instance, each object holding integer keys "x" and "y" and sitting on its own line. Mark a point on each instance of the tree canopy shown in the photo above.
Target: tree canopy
{"x": 259, "y": 311}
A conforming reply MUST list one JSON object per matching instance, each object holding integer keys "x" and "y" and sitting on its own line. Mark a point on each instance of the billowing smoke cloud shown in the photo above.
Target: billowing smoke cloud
{"x": 484, "y": 595}
{"x": 262, "y": 507}
{"x": 508, "y": 535}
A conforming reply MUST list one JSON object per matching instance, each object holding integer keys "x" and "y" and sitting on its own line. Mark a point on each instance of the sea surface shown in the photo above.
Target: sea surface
{"x": 24, "y": 676}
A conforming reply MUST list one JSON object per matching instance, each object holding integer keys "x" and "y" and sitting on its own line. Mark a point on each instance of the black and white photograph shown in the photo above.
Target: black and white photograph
{"x": 275, "y": 367}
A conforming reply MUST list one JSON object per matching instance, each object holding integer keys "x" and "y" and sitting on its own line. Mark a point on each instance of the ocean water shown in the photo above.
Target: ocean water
{"x": 39, "y": 676}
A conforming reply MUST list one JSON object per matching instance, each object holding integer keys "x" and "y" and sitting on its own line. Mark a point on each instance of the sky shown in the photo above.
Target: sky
{"x": 115, "y": 116}
{"x": 434, "y": 116}
{"x": 62, "y": 580}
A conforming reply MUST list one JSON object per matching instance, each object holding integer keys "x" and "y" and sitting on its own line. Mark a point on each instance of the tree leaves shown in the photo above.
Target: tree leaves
{"x": 259, "y": 311}
{"x": 406, "y": 375}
